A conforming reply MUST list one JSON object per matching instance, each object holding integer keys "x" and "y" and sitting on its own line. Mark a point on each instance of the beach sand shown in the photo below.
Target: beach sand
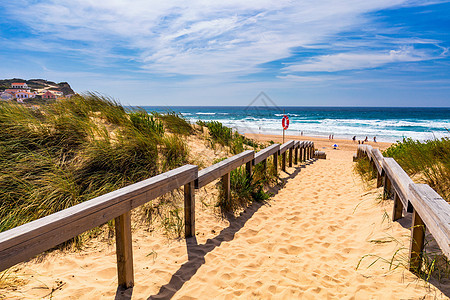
{"x": 304, "y": 243}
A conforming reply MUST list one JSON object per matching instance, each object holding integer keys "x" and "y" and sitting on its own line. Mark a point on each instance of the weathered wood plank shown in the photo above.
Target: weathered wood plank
{"x": 189, "y": 209}
{"x": 417, "y": 243}
{"x": 226, "y": 186}
{"x": 124, "y": 250}
{"x": 275, "y": 164}
{"x": 265, "y": 153}
{"x": 28, "y": 240}
{"x": 435, "y": 212}
{"x": 249, "y": 168}
{"x": 399, "y": 179}
{"x": 215, "y": 171}
{"x": 397, "y": 211}
{"x": 378, "y": 159}
{"x": 296, "y": 146}
{"x": 283, "y": 161}
{"x": 291, "y": 156}
{"x": 285, "y": 147}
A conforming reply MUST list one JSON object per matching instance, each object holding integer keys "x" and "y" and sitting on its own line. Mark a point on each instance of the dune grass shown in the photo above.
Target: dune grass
{"x": 244, "y": 190}
{"x": 426, "y": 162}
{"x": 224, "y": 136}
{"x": 56, "y": 155}
{"x": 365, "y": 169}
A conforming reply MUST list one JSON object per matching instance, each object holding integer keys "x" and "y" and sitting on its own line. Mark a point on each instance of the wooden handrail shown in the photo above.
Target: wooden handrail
{"x": 285, "y": 147}
{"x": 399, "y": 180}
{"x": 429, "y": 209}
{"x": 435, "y": 212}
{"x": 265, "y": 153}
{"x": 215, "y": 171}
{"x": 26, "y": 241}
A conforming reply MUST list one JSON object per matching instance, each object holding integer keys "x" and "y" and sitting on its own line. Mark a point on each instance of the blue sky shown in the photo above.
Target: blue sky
{"x": 331, "y": 53}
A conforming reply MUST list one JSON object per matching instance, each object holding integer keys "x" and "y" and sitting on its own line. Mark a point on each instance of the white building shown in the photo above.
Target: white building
{"x": 6, "y": 96}
{"x": 19, "y": 85}
{"x": 24, "y": 95}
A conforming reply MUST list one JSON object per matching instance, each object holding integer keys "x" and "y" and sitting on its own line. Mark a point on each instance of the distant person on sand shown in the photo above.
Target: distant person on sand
{"x": 332, "y": 136}
{"x": 375, "y": 139}
{"x": 367, "y": 139}
{"x": 354, "y": 138}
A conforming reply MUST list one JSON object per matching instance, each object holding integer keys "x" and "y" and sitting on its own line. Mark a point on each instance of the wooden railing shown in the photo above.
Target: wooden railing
{"x": 26, "y": 241}
{"x": 428, "y": 208}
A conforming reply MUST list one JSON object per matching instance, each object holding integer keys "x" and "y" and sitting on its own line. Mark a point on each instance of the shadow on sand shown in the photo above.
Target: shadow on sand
{"x": 197, "y": 253}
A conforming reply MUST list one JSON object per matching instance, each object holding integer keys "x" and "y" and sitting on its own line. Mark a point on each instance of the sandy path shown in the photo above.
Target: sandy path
{"x": 307, "y": 243}
{"x": 304, "y": 243}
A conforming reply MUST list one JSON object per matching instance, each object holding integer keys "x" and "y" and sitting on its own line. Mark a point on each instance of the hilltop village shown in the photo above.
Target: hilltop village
{"x": 24, "y": 91}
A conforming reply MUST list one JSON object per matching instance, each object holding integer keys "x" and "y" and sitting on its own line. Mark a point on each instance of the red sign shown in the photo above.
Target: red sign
{"x": 285, "y": 122}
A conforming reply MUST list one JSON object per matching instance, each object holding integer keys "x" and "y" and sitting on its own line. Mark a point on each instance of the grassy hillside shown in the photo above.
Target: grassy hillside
{"x": 35, "y": 84}
{"x": 55, "y": 155}
{"x": 70, "y": 151}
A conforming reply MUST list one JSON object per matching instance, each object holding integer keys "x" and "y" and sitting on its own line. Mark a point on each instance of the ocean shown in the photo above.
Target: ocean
{"x": 388, "y": 124}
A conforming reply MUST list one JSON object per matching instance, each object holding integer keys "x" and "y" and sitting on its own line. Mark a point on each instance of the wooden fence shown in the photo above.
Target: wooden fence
{"x": 26, "y": 241}
{"x": 428, "y": 208}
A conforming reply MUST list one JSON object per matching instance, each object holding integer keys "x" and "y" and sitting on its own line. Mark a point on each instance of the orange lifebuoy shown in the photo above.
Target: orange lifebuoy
{"x": 285, "y": 122}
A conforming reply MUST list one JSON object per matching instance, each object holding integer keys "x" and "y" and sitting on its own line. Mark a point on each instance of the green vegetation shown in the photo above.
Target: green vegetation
{"x": 434, "y": 265}
{"x": 244, "y": 189}
{"x": 365, "y": 169}
{"x": 174, "y": 122}
{"x": 222, "y": 135}
{"x": 427, "y": 162}
{"x": 66, "y": 152}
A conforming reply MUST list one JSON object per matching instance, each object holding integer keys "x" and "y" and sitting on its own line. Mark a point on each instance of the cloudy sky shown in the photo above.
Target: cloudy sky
{"x": 151, "y": 52}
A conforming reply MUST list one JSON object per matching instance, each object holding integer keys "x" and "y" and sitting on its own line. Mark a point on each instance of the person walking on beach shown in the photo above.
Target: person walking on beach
{"x": 354, "y": 138}
{"x": 375, "y": 139}
{"x": 367, "y": 139}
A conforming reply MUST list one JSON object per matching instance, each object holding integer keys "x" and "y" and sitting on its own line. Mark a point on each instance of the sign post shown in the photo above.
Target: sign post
{"x": 285, "y": 124}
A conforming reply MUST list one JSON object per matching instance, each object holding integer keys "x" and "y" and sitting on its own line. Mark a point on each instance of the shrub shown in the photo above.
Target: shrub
{"x": 244, "y": 190}
{"x": 174, "y": 122}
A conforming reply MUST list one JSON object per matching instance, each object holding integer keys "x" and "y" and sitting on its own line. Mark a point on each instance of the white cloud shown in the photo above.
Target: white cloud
{"x": 212, "y": 38}
{"x": 358, "y": 60}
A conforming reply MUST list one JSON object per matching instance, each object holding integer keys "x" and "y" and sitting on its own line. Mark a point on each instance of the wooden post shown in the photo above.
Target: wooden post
{"x": 290, "y": 157}
{"x": 380, "y": 178}
{"x": 283, "y": 162}
{"x": 226, "y": 186}
{"x": 189, "y": 209}
{"x": 275, "y": 164}
{"x": 302, "y": 153}
{"x": 296, "y": 155}
{"x": 307, "y": 153}
{"x": 248, "y": 168}
{"x": 264, "y": 163}
{"x": 417, "y": 243}
{"x": 124, "y": 250}
{"x": 387, "y": 188}
{"x": 398, "y": 207}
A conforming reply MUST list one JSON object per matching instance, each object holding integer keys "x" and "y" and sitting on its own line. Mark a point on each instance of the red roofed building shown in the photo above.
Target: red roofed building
{"x": 19, "y": 85}
{"x": 24, "y": 95}
{"x": 48, "y": 95}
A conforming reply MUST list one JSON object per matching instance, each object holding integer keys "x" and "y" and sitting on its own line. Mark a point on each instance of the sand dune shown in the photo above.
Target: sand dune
{"x": 304, "y": 243}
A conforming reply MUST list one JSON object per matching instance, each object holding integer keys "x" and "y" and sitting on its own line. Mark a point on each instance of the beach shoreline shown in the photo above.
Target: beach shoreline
{"x": 319, "y": 142}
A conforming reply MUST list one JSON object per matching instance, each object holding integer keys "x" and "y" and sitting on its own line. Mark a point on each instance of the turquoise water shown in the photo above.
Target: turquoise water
{"x": 387, "y": 124}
